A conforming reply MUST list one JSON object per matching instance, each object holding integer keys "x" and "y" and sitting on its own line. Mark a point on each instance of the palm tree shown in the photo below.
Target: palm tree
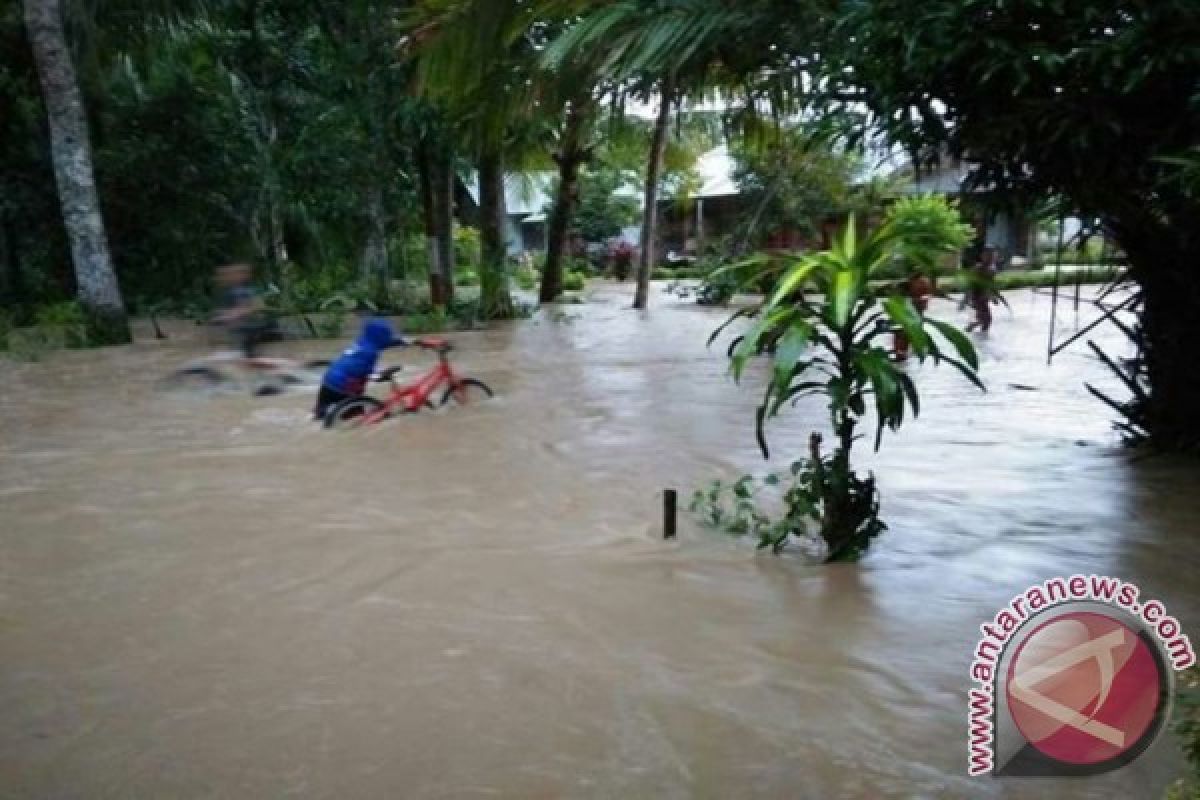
{"x": 666, "y": 47}
{"x": 474, "y": 61}
{"x": 70, "y": 146}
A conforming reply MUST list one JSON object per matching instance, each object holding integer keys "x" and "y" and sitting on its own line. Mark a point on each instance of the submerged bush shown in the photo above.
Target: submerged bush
{"x": 831, "y": 342}
{"x": 574, "y": 281}
{"x": 526, "y": 277}
{"x": 1187, "y": 726}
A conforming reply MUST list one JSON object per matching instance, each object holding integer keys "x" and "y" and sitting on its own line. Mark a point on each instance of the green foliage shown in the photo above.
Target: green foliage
{"x": 574, "y": 281}
{"x": 466, "y": 247}
{"x": 602, "y": 212}
{"x": 716, "y": 288}
{"x": 331, "y": 325}
{"x": 63, "y": 315}
{"x": 930, "y": 228}
{"x": 434, "y": 321}
{"x": 830, "y": 345}
{"x": 526, "y": 277}
{"x": 32, "y": 344}
{"x": 809, "y": 491}
{"x": 466, "y": 277}
{"x": 465, "y": 313}
{"x": 792, "y": 181}
{"x": 63, "y": 324}
{"x": 1091, "y": 105}
{"x": 220, "y": 132}
{"x": 1186, "y": 724}
{"x": 56, "y": 326}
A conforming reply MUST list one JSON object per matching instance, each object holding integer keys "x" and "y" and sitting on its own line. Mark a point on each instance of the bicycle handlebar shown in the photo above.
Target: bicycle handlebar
{"x": 386, "y": 375}
{"x": 436, "y": 345}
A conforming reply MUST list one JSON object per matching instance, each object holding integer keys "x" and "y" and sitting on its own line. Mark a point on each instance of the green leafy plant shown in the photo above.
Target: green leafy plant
{"x": 574, "y": 281}
{"x": 331, "y": 325}
{"x": 1186, "y": 723}
{"x": 466, "y": 247}
{"x": 808, "y": 489}
{"x": 830, "y": 344}
{"x": 466, "y": 277}
{"x": 526, "y": 277}
{"x": 63, "y": 324}
{"x": 434, "y": 321}
{"x": 465, "y": 313}
{"x": 917, "y": 221}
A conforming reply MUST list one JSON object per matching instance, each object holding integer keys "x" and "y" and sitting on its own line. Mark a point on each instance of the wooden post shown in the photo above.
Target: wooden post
{"x": 669, "y": 501}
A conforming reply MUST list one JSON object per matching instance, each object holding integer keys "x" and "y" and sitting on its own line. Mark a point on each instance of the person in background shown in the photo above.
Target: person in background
{"x": 980, "y": 288}
{"x": 240, "y": 310}
{"x": 919, "y": 289}
{"x": 348, "y": 375}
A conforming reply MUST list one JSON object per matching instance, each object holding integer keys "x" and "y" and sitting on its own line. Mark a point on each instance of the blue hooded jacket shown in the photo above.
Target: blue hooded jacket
{"x": 349, "y": 373}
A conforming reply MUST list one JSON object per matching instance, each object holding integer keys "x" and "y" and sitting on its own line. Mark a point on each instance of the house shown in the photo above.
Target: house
{"x": 1012, "y": 232}
{"x": 528, "y": 196}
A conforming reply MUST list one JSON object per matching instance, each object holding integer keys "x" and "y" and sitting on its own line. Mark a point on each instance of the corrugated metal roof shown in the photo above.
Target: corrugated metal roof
{"x": 525, "y": 193}
{"x": 716, "y": 170}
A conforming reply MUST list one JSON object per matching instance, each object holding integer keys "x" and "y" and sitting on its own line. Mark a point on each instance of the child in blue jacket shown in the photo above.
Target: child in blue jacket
{"x": 348, "y": 375}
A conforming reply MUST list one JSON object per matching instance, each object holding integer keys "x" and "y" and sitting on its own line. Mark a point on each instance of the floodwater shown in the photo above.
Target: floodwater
{"x": 203, "y": 595}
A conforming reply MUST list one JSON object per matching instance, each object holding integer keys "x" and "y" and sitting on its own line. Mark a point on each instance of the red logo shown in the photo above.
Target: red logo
{"x": 1085, "y": 689}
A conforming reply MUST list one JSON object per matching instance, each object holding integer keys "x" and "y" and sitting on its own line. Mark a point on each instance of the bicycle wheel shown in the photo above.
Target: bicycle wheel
{"x": 467, "y": 391}
{"x": 304, "y": 374}
{"x": 351, "y": 413}
{"x": 196, "y": 378}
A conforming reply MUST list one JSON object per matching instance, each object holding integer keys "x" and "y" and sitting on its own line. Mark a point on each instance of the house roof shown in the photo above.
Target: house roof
{"x": 525, "y": 193}
{"x": 946, "y": 178}
{"x": 716, "y": 170}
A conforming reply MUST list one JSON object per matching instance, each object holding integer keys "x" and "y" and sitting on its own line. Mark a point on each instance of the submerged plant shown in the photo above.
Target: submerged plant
{"x": 1186, "y": 724}
{"x": 829, "y": 343}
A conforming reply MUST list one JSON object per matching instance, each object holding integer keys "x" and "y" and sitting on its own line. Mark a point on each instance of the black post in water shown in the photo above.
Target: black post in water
{"x": 669, "y": 497}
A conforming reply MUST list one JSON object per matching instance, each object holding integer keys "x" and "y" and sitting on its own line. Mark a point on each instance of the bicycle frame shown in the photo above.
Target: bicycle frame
{"x": 410, "y": 397}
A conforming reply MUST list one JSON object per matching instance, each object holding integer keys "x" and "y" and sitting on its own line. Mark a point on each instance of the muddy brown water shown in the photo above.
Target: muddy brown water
{"x": 203, "y": 595}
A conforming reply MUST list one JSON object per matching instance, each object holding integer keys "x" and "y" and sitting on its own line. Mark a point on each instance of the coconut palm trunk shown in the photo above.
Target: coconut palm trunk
{"x": 436, "y": 174}
{"x": 570, "y": 159}
{"x": 658, "y": 147}
{"x": 496, "y": 301}
{"x": 95, "y": 277}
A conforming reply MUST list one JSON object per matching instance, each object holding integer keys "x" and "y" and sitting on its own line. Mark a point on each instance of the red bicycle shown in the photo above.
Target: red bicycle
{"x": 355, "y": 412}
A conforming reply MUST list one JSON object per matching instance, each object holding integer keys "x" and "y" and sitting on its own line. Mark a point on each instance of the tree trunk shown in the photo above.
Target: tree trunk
{"x": 569, "y": 161}
{"x": 12, "y": 288}
{"x": 436, "y": 171}
{"x": 496, "y": 302}
{"x": 425, "y": 173}
{"x": 443, "y": 218}
{"x": 374, "y": 261}
{"x": 658, "y": 146}
{"x": 1163, "y": 261}
{"x": 98, "y": 289}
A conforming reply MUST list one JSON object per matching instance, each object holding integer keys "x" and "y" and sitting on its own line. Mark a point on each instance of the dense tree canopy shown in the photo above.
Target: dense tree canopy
{"x": 331, "y": 135}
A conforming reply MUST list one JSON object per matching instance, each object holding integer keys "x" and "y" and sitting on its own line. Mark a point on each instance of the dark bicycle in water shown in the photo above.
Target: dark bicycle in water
{"x": 233, "y": 369}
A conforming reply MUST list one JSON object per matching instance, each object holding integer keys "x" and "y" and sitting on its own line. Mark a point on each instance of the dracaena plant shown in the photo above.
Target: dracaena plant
{"x": 828, "y": 325}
